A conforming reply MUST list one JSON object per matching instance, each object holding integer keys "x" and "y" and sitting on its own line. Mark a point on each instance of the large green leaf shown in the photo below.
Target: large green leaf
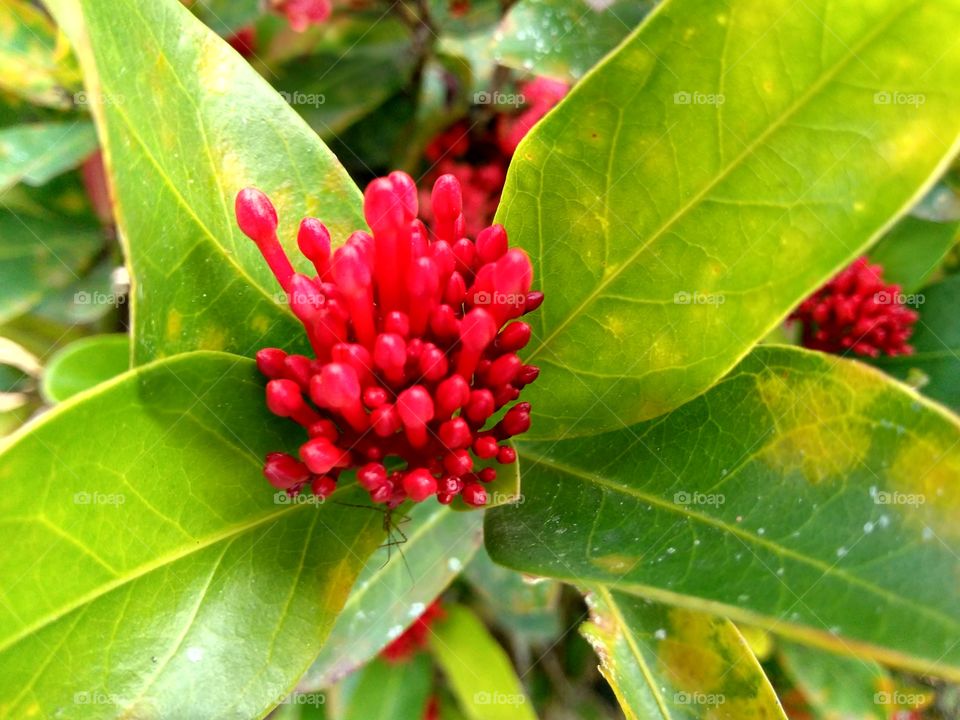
{"x": 390, "y": 594}
{"x": 838, "y": 687}
{"x": 564, "y": 38}
{"x": 803, "y": 493}
{"x": 34, "y": 63}
{"x": 477, "y": 668}
{"x": 85, "y": 363}
{"x": 391, "y": 692}
{"x": 155, "y": 573}
{"x": 671, "y": 663}
{"x": 40, "y": 253}
{"x": 936, "y": 343}
{"x": 186, "y": 123}
{"x": 35, "y": 153}
{"x": 715, "y": 169}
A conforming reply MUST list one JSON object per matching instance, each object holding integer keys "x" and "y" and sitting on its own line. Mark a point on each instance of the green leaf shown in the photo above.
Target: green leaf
{"x": 564, "y": 38}
{"x": 803, "y": 493}
{"x": 34, "y": 63}
{"x": 186, "y": 123}
{"x": 916, "y": 246}
{"x": 390, "y": 595}
{"x": 838, "y": 687}
{"x": 666, "y": 662}
{"x": 332, "y": 89}
{"x": 724, "y": 162}
{"x": 936, "y": 343}
{"x": 388, "y": 691}
{"x": 155, "y": 573}
{"x": 528, "y": 610}
{"x": 477, "y": 668}
{"x": 35, "y": 153}
{"x": 85, "y": 363}
{"x": 41, "y": 253}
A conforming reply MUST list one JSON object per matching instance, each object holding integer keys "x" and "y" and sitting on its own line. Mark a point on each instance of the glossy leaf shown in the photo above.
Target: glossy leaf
{"x": 186, "y": 123}
{"x": 916, "y": 246}
{"x": 41, "y": 253}
{"x": 35, "y": 153}
{"x": 477, "y": 669}
{"x": 34, "y": 65}
{"x": 388, "y": 691}
{"x": 564, "y": 38}
{"x": 85, "y": 363}
{"x": 666, "y": 662}
{"x": 391, "y": 594}
{"x": 936, "y": 343}
{"x": 838, "y": 687}
{"x": 803, "y": 493}
{"x": 724, "y": 162}
{"x": 183, "y": 586}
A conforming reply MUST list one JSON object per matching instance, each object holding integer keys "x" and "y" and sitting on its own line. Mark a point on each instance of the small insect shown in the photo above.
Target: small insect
{"x": 391, "y": 526}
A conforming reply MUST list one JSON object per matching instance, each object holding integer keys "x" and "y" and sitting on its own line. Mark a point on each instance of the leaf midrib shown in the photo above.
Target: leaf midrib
{"x": 744, "y": 536}
{"x": 749, "y": 150}
{"x": 136, "y": 573}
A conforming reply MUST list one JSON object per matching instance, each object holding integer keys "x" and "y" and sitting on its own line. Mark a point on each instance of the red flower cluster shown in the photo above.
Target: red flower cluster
{"x": 415, "y": 636}
{"x": 479, "y": 160}
{"x": 414, "y": 347}
{"x": 857, "y": 311}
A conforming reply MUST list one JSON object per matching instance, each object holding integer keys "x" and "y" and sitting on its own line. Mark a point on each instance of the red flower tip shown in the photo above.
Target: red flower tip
{"x": 256, "y": 215}
{"x": 857, "y": 312}
{"x": 414, "y": 351}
